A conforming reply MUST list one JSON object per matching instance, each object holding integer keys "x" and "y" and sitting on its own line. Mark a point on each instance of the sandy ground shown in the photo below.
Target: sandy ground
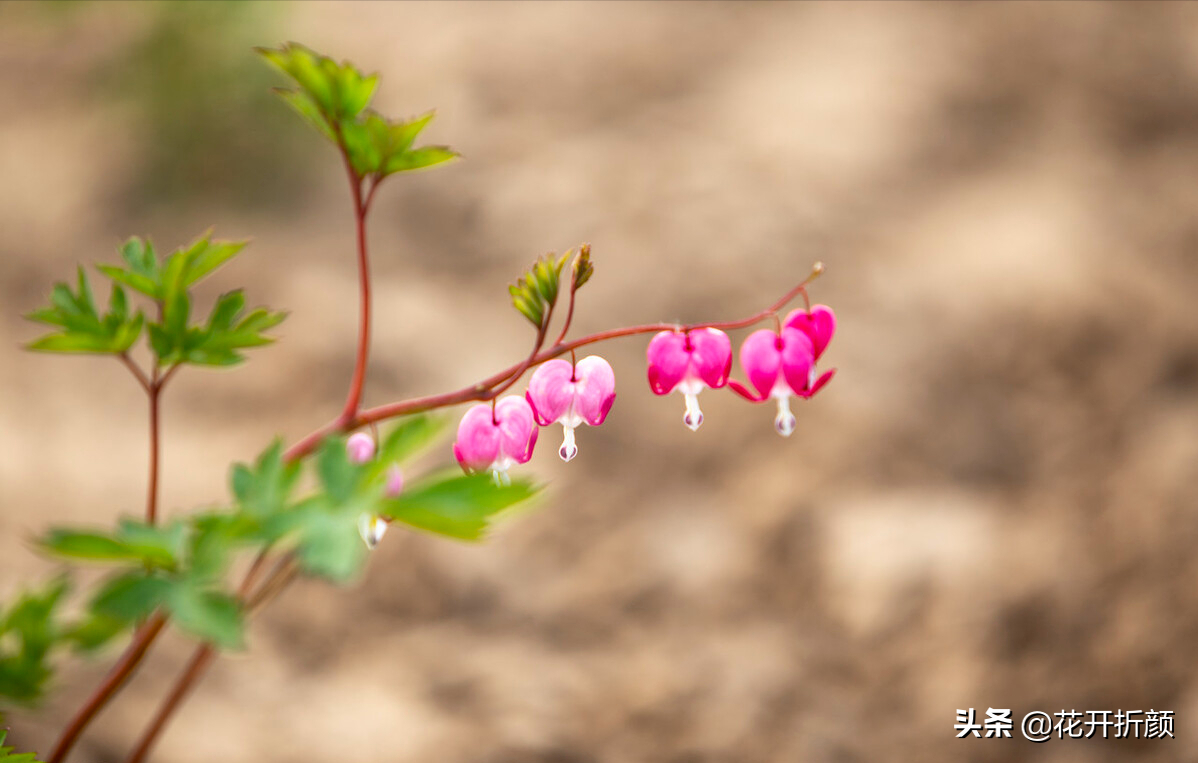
{"x": 992, "y": 506}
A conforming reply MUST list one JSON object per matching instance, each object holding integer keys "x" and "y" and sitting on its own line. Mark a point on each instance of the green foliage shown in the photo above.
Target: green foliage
{"x": 81, "y": 327}
{"x": 8, "y": 756}
{"x": 458, "y": 506}
{"x": 181, "y": 567}
{"x": 167, "y": 282}
{"x": 27, "y": 634}
{"x": 334, "y": 99}
{"x": 535, "y": 292}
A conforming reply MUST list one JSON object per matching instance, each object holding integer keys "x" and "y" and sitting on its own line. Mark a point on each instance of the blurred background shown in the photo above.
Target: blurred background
{"x": 993, "y": 505}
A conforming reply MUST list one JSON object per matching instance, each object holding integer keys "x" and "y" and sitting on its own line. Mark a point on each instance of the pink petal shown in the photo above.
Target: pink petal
{"x": 551, "y": 390}
{"x": 798, "y": 359}
{"x": 819, "y": 383}
{"x": 711, "y": 356}
{"x": 517, "y": 428}
{"x": 477, "y": 445}
{"x": 668, "y": 360}
{"x": 819, "y": 325}
{"x": 744, "y": 391}
{"x": 595, "y": 390}
{"x": 761, "y": 358}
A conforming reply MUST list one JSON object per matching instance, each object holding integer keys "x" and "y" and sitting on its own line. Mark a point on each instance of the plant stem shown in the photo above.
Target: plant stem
{"x": 116, "y": 678}
{"x": 152, "y": 482}
{"x": 483, "y": 389}
{"x": 361, "y": 207}
{"x": 195, "y": 667}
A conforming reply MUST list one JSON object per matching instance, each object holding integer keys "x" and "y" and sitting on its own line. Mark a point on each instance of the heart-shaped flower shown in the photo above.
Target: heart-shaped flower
{"x": 819, "y": 325}
{"x": 572, "y": 395}
{"x": 495, "y": 440}
{"x": 779, "y": 366}
{"x": 689, "y": 362}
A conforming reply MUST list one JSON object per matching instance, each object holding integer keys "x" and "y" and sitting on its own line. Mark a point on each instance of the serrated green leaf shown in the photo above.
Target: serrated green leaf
{"x": 209, "y": 257}
{"x": 339, "y": 478}
{"x": 460, "y": 506}
{"x": 308, "y": 110}
{"x": 87, "y": 546}
{"x": 330, "y": 546}
{"x": 130, "y": 597}
{"x": 83, "y": 330}
{"x": 411, "y": 436}
{"x": 155, "y": 545}
{"x": 210, "y": 616}
{"x": 94, "y": 631}
{"x": 8, "y": 756}
{"x": 418, "y": 159}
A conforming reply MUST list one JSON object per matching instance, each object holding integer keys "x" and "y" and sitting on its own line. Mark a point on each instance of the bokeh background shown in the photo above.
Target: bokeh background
{"x": 994, "y": 504}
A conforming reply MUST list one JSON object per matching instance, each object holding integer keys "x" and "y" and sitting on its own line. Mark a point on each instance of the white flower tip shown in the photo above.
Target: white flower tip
{"x": 784, "y": 422}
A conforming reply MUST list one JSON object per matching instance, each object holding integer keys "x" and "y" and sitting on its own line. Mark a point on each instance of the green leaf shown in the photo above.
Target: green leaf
{"x": 411, "y": 436}
{"x": 460, "y": 506}
{"x": 130, "y": 597}
{"x": 82, "y": 328}
{"x": 419, "y": 159}
{"x": 264, "y": 490}
{"x": 133, "y": 542}
{"x": 94, "y": 631}
{"x": 8, "y": 756}
{"x": 339, "y": 477}
{"x": 211, "y": 616}
{"x": 330, "y": 546}
{"x": 88, "y": 546}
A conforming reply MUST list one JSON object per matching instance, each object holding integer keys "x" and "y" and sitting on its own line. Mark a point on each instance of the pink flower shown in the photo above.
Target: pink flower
{"x": 360, "y": 447}
{"x": 689, "y": 362}
{"x": 779, "y": 366}
{"x": 819, "y": 325}
{"x": 571, "y": 395}
{"x": 496, "y": 440}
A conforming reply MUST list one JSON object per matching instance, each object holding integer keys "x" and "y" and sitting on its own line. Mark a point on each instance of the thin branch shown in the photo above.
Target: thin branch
{"x": 195, "y": 668}
{"x": 135, "y": 370}
{"x": 116, "y": 678}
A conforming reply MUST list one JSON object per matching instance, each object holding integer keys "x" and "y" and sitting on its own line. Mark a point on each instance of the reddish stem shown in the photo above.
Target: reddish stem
{"x": 116, "y": 678}
{"x": 361, "y": 208}
{"x": 195, "y": 668}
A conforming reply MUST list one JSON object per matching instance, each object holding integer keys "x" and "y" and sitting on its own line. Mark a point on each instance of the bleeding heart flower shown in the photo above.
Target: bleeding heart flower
{"x": 571, "y": 395}
{"x": 360, "y": 447}
{"x": 494, "y": 440}
{"x": 372, "y": 529}
{"x": 779, "y": 366}
{"x": 819, "y": 325}
{"x": 689, "y": 362}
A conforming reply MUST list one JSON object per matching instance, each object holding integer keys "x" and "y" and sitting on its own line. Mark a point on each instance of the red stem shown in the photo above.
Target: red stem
{"x": 361, "y": 207}
{"x": 195, "y": 668}
{"x": 116, "y": 678}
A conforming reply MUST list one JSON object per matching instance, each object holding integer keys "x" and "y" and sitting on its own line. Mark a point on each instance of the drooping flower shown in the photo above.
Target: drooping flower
{"x": 779, "y": 366}
{"x": 689, "y": 362}
{"x": 819, "y": 325}
{"x": 372, "y": 529}
{"x": 572, "y": 395}
{"x": 360, "y": 447}
{"x": 495, "y": 440}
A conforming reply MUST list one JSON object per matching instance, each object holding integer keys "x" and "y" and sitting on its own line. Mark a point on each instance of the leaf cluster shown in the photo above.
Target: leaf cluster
{"x": 31, "y": 629}
{"x": 535, "y": 292}
{"x": 334, "y": 98}
{"x": 181, "y": 567}
{"x": 8, "y": 756}
{"x": 166, "y": 281}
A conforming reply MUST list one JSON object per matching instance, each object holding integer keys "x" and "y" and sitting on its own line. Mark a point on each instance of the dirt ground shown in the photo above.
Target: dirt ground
{"x": 995, "y": 504}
